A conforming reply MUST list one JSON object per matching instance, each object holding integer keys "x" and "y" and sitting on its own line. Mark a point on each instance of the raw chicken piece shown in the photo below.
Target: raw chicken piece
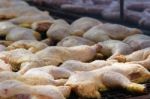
{"x": 14, "y": 87}
{"x": 5, "y": 28}
{"x": 141, "y": 57}
{"x": 112, "y": 48}
{"x": 55, "y": 72}
{"x": 110, "y": 31}
{"x": 56, "y": 55}
{"x": 8, "y": 75}
{"x": 20, "y": 33}
{"x": 31, "y": 45}
{"x": 16, "y": 11}
{"x": 59, "y": 30}
{"x": 138, "y": 41}
{"x": 74, "y": 65}
{"x": 70, "y": 41}
{"x": 87, "y": 84}
{"x": 2, "y": 48}
{"x": 5, "y": 43}
{"x": 27, "y": 20}
{"x": 80, "y": 26}
{"x": 32, "y": 78}
{"x": 4, "y": 66}
{"x": 17, "y": 57}
{"x": 41, "y": 26}
{"x": 144, "y": 22}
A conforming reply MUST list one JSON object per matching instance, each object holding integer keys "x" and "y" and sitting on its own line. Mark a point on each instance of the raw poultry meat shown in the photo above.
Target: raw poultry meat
{"x": 5, "y": 28}
{"x": 75, "y": 65}
{"x": 138, "y": 41}
{"x": 42, "y": 26}
{"x": 144, "y": 22}
{"x": 14, "y": 87}
{"x": 2, "y": 47}
{"x": 56, "y": 55}
{"x": 17, "y": 57}
{"x": 27, "y": 20}
{"x": 16, "y": 11}
{"x": 70, "y": 41}
{"x": 47, "y": 75}
{"x": 80, "y": 26}
{"x": 5, "y": 43}
{"x": 107, "y": 77}
{"x": 112, "y": 48}
{"x": 31, "y": 45}
{"x": 20, "y": 33}
{"x": 4, "y": 66}
{"x": 141, "y": 57}
{"x": 32, "y": 78}
{"x": 110, "y": 31}
{"x": 59, "y": 30}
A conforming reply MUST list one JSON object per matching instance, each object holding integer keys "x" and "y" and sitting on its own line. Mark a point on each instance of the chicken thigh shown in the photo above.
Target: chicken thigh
{"x": 20, "y": 33}
{"x": 80, "y": 26}
{"x": 70, "y": 41}
{"x": 59, "y": 30}
{"x": 138, "y": 41}
{"x": 110, "y": 31}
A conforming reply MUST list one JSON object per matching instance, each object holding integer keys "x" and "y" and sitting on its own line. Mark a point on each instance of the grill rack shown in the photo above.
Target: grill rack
{"x": 58, "y": 13}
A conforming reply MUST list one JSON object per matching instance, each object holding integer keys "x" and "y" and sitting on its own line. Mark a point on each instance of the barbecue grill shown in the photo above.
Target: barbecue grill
{"x": 56, "y": 12}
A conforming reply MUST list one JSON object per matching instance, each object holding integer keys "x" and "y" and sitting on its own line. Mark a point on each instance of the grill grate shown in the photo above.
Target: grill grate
{"x": 56, "y": 12}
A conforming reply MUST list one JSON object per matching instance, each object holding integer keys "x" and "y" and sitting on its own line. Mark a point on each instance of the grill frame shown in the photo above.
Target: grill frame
{"x": 56, "y": 12}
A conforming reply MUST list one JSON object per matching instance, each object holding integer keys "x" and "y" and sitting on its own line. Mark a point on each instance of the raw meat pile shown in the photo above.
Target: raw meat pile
{"x": 87, "y": 56}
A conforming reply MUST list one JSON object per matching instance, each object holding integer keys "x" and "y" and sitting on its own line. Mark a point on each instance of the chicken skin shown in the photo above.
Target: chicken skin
{"x": 110, "y": 31}
{"x": 108, "y": 77}
{"x": 56, "y": 55}
{"x": 59, "y": 30}
{"x": 70, "y": 41}
{"x": 20, "y": 33}
{"x": 5, "y": 28}
{"x": 138, "y": 41}
{"x": 14, "y": 87}
{"x": 111, "y": 48}
{"x": 31, "y": 45}
{"x": 74, "y": 65}
{"x": 17, "y": 57}
{"x": 141, "y": 57}
{"x": 80, "y": 26}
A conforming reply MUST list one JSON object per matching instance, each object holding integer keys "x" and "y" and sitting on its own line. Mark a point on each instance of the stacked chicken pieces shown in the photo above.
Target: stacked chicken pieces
{"x": 87, "y": 56}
